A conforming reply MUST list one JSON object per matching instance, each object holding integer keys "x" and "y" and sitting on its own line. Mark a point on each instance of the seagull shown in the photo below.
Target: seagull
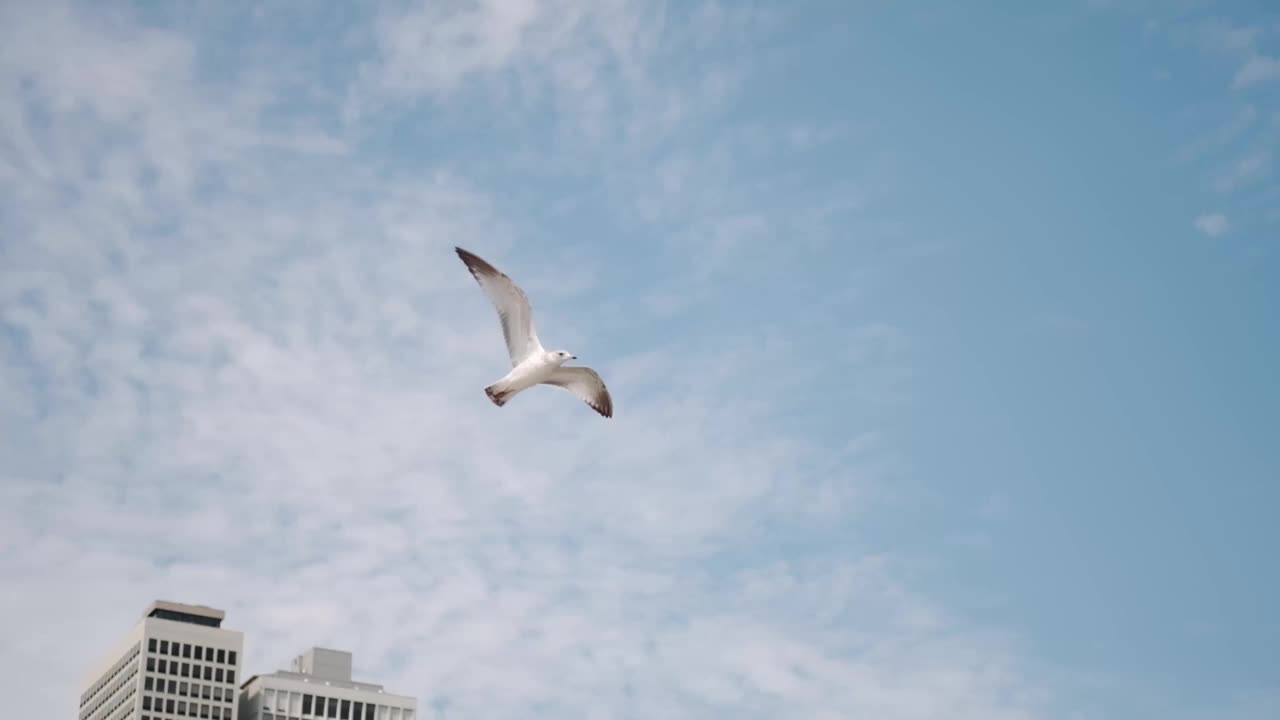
{"x": 531, "y": 364}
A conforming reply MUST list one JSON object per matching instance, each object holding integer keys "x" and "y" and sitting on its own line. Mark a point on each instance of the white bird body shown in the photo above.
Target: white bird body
{"x": 531, "y": 364}
{"x": 533, "y": 370}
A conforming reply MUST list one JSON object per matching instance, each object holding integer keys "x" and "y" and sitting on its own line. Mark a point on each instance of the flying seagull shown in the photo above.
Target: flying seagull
{"x": 531, "y": 364}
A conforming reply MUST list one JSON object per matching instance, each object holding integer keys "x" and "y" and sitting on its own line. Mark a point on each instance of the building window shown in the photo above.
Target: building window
{"x": 168, "y": 706}
{"x": 164, "y": 647}
{"x": 208, "y": 673}
{"x": 199, "y": 653}
{"x": 222, "y": 655}
{"x": 186, "y": 650}
{"x": 147, "y": 684}
{"x": 370, "y": 711}
{"x": 151, "y": 645}
{"x": 345, "y": 713}
{"x": 306, "y": 704}
{"x": 164, "y": 666}
{"x": 151, "y": 664}
{"x": 333, "y": 707}
{"x": 357, "y": 711}
{"x": 146, "y": 702}
{"x": 182, "y": 708}
{"x": 231, "y": 677}
{"x": 204, "y": 692}
{"x": 173, "y": 687}
{"x": 231, "y": 657}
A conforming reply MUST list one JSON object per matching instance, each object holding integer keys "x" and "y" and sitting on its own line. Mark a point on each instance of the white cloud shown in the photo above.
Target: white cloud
{"x": 1212, "y": 224}
{"x": 1251, "y": 167}
{"x": 1258, "y": 69}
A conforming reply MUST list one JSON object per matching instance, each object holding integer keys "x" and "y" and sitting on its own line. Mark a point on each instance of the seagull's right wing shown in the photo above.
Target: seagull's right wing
{"x": 586, "y": 384}
{"x": 512, "y": 305}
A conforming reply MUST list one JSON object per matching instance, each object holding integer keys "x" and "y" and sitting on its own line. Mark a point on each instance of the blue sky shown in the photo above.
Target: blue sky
{"x": 942, "y": 342}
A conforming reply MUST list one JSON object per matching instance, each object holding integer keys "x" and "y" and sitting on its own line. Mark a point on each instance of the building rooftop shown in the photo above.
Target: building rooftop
{"x": 323, "y": 667}
{"x": 181, "y": 612}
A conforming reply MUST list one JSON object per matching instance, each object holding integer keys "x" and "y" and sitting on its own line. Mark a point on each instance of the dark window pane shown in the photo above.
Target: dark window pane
{"x": 164, "y": 667}
{"x": 217, "y": 674}
{"x": 345, "y": 713}
{"x": 333, "y": 707}
{"x": 370, "y": 711}
{"x": 151, "y": 664}
{"x": 357, "y": 711}
{"x": 168, "y": 706}
{"x": 306, "y": 704}
{"x": 147, "y": 684}
{"x": 186, "y": 669}
{"x": 231, "y": 657}
{"x": 231, "y": 676}
{"x": 222, "y": 655}
{"x": 173, "y": 687}
{"x": 164, "y": 647}
{"x": 208, "y": 673}
{"x": 151, "y": 645}
{"x": 146, "y": 702}
{"x": 186, "y": 650}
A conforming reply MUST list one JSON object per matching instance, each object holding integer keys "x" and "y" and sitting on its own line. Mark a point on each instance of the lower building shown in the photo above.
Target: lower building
{"x": 177, "y": 662}
{"x": 319, "y": 685}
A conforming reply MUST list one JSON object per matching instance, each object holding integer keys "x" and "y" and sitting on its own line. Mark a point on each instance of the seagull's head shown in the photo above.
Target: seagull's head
{"x": 560, "y": 357}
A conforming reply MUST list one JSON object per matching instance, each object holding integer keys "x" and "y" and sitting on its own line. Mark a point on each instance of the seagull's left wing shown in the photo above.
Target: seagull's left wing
{"x": 513, "y": 307}
{"x": 586, "y": 384}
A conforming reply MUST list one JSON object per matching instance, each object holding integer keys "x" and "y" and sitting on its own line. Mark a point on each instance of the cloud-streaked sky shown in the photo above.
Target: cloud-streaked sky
{"x": 942, "y": 339}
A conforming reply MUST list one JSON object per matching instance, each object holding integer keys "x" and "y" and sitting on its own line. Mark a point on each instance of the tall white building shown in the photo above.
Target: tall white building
{"x": 177, "y": 662}
{"x": 319, "y": 685}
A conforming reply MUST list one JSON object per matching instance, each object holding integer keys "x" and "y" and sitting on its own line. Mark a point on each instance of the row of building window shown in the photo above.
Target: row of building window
{"x": 191, "y": 652}
{"x": 120, "y": 683}
{"x": 189, "y": 670}
{"x": 185, "y": 709}
{"x": 125, "y": 698}
{"x": 106, "y": 679}
{"x": 184, "y": 689}
{"x": 291, "y": 704}
{"x": 384, "y": 711}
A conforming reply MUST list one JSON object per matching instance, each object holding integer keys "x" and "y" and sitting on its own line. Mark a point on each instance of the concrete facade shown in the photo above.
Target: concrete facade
{"x": 177, "y": 662}
{"x": 320, "y": 686}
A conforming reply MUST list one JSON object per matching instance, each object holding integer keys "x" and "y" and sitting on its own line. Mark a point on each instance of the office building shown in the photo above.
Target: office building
{"x": 177, "y": 662}
{"x": 319, "y": 685}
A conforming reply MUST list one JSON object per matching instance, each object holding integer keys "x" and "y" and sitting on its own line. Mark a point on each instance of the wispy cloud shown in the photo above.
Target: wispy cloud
{"x": 1239, "y": 151}
{"x": 1243, "y": 171}
{"x": 1256, "y": 70}
{"x": 1212, "y": 224}
{"x": 239, "y": 366}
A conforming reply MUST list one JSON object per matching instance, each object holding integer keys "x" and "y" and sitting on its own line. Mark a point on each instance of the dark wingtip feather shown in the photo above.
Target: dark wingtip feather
{"x": 604, "y": 406}
{"x": 476, "y": 264}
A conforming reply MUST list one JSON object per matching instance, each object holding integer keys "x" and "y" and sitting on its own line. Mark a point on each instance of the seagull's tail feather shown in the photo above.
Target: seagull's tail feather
{"x": 498, "y": 395}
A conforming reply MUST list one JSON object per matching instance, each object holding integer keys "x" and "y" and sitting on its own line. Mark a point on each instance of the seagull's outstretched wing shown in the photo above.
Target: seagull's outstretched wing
{"x": 512, "y": 305}
{"x": 586, "y": 384}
